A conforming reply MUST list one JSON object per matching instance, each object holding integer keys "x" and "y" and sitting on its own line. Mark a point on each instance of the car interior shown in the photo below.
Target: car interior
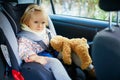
{"x": 103, "y": 39}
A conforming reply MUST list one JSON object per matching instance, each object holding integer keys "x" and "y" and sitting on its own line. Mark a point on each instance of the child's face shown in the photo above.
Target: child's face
{"x": 37, "y": 21}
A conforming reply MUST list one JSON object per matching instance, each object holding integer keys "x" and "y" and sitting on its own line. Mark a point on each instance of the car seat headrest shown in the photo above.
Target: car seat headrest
{"x": 15, "y": 11}
{"x": 109, "y": 5}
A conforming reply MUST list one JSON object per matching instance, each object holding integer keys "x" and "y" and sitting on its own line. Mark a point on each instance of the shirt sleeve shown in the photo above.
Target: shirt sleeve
{"x": 25, "y": 48}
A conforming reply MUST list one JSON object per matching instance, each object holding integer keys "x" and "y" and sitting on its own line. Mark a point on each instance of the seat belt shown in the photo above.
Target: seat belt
{"x": 42, "y": 44}
{"x": 34, "y": 38}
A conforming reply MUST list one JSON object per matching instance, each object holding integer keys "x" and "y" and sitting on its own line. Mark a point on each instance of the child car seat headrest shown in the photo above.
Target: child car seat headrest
{"x": 109, "y": 5}
{"x": 15, "y": 11}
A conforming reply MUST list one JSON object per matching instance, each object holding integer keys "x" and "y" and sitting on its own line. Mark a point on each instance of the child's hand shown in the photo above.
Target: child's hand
{"x": 31, "y": 58}
{"x": 28, "y": 60}
{"x": 42, "y": 60}
{"x": 35, "y": 58}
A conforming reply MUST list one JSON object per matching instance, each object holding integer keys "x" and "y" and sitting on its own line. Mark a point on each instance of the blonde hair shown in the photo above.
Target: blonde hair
{"x": 29, "y": 10}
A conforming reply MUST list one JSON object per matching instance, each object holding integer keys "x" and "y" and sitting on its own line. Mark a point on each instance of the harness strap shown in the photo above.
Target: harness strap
{"x": 42, "y": 44}
{"x": 49, "y": 35}
{"x": 34, "y": 38}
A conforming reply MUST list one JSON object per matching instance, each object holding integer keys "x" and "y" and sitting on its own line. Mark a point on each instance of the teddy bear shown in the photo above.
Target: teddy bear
{"x": 62, "y": 45}
{"x": 67, "y": 46}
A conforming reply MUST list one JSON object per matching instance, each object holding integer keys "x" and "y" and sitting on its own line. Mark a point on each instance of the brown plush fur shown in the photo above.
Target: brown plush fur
{"x": 77, "y": 45}
{"x": 62, "y": 45}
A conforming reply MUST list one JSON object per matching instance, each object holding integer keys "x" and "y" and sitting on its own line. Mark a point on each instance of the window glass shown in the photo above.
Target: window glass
{"x": 47, "y": 5}
{"x": 78, "y": 8}
{"x": 25, "y": 1}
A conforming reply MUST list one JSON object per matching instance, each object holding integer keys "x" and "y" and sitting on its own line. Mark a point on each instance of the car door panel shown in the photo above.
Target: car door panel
{"x": 73, "y": 27}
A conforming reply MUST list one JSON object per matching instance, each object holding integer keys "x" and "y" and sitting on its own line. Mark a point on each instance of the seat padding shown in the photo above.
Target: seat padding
{"x": 106, "y": 54}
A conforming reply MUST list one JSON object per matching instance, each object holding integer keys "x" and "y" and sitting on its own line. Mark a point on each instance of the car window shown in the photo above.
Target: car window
{"x": 78, "y": 8}
{"x": 26, "y": 1}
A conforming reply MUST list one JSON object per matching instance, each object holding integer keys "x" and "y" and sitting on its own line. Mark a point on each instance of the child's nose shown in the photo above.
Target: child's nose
{"x": 39, "y": 25}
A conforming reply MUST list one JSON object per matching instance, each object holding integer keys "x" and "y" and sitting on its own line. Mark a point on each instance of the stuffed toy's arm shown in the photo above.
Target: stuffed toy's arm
{"x": 62, "y": 45}
{"x": 66, "y": 53}
{"x": 80, "y": 47}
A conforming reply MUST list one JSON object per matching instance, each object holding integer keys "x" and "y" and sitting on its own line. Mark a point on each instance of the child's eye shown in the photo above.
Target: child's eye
{"x": 35, "y": 21}
{"x": 43, "y": 22}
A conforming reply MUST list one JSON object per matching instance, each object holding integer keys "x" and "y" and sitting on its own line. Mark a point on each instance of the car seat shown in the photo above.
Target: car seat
{"x": 106, "y": 46}
{"x": 9, "y": 47}
{"x": 14, "y": 11}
